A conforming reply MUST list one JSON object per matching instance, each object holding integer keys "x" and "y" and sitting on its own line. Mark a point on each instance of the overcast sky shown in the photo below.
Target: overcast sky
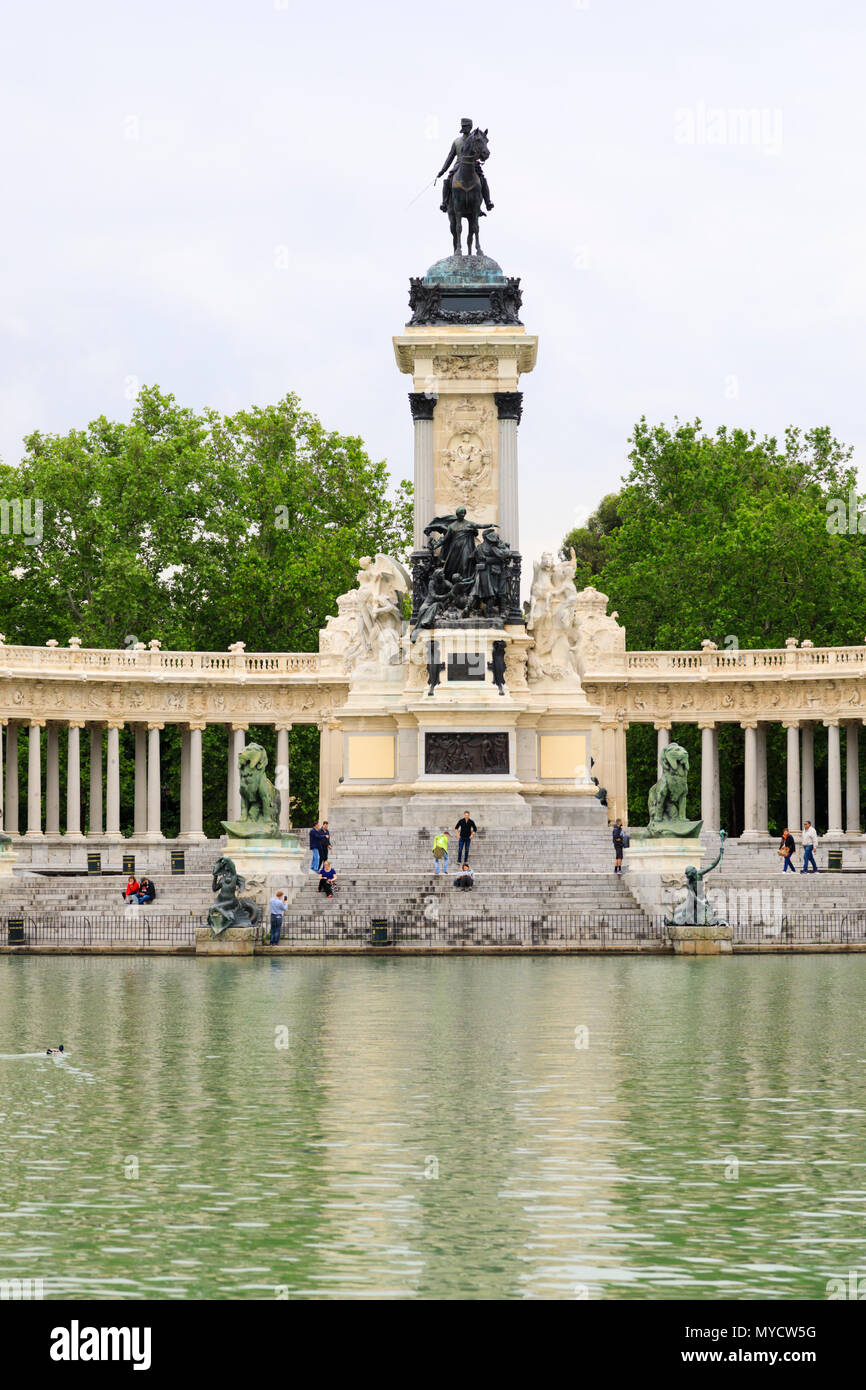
{"x": 215, "y": 197}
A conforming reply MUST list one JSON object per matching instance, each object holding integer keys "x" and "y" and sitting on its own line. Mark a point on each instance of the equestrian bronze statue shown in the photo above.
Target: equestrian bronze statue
{"x": 466, "y": 187}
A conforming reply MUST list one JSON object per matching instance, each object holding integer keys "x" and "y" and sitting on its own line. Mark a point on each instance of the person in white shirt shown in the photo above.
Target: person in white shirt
{"x": 810, "y": 844}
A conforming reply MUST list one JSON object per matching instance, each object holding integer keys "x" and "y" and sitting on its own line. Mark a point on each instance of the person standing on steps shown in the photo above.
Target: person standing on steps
{"x": 786, "y": 851}
{"x": 466, "y": 828}
{"x": 440, "y": 851}
{"x": 618, "y": 845}
{"x": 318, "y": 845}
{"x": 810, "y": 844}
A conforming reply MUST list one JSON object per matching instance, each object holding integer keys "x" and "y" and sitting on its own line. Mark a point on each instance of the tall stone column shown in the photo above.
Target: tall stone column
{"x": 709, "y": 774}
{"x": 750, "y": 794}
{"x": 52, "y": 780}
{"x": 834, "y": 778}
{"x": 184, "y": 783}
{"x": 852, "y": 779}
{"x": 236, "y": 747}
{"x": 34, "y": 780}
{"x": 793, "y": 768}
{"x": 12, "y": 825}
{"x": 73, "y": 782}
{"x": 195, "y": 806}
{"x": 112, "y": 781}
{"x": 95, "y": 821}
{"x": 664, "y": 738}
{"x": 807, "y": 760}
{"x": 281, "y": 775}
{"x": 330, "y": 763}
{"x": 422, "y": 404}
{"x": 509, "y": 405}
{"x": 154, "y": 788}
{"x": 140, "y": 809}
{"x": 761, "y": 748}
{"x": 614, "y": 771}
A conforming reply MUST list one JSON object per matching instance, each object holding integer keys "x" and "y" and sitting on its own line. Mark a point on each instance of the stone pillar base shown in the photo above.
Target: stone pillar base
{"x": 7, "y": 860}
{"x": 712, "y": 940}
{"x": 234, "y": 941}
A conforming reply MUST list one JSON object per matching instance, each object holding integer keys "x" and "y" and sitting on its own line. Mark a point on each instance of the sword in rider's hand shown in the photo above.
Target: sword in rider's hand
{"x": 423, "y": 190}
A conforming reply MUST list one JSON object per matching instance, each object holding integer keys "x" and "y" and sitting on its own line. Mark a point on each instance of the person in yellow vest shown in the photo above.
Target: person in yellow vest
{"x": 440, "y": 851}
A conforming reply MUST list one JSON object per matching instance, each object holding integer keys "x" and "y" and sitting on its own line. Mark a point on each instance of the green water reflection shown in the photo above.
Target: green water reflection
{"x": 311, "y": 1169}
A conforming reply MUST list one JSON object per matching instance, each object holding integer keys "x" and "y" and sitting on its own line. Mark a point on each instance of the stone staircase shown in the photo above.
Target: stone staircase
{"x": 383, "y": 872}
{"x": 518, "y": 873}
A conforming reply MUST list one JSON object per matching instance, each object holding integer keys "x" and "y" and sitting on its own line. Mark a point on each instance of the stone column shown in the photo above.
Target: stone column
{"x": 195, "y": 808}
{"x": 750, "y": 795}
{"x": 330, "y": 763}
{"x": 12, "y": 826}
{"x": 807, "y": 760}
{"x": 834, "y": 778}
{"x": 154, "y": 789}
{"x": 793, "y": 767}
{"x": 509, "y": 405}
{"x": 281, "y": 775}
{"x": 184, "y": 783}
{"x": 762, "y": 779}
{"x": 73, "y": 782}
{"x": 2, "y": 750}
{"x": 52, "y": 780}
{"x": 95, "y": 825}
{"x": 613, "y": 766}
{"x": 112, "y": 782}
{"x": 664, "y": 738}
{"x": 852, "y": 779}
{"x": 709, "y": 774}
{"x": 140, "y": 811}
{"x": 422, "y": 405}
{"x": 34, "y": 780}
{"x": 236, "y": 746}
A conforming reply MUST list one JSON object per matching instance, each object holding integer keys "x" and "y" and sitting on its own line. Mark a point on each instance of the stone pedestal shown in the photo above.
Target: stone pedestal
{"x": 714, "y": 940}
{"x": 273, "y": 858}
{"x": 656, "y": 870}
{"x": 8, "y": 855}
{"x": 234, "y": 941}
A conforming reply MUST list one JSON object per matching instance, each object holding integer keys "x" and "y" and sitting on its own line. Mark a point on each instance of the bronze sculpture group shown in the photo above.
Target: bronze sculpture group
{"x": 464, "y": 577}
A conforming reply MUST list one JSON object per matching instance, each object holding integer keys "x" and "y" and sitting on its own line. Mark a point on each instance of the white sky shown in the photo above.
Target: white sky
{"x": 159, "y": 160}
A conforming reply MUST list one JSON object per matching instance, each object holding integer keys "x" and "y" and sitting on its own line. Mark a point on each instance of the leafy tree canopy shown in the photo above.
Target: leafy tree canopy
{"x": 197, "y": 529}
{"x": 730, "y": 537}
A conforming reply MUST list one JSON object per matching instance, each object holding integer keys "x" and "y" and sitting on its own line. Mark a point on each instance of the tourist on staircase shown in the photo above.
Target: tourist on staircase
{"x": 466, "y": 828}
{"x": 619, "y": 842}
{"x": 810, "y": 844}
{"x": 319, "y": 845}
{"x": 465, "y": 879}
{"x": 440, "y": 851}
{"x": 326, "y": 879}
{"x": 786, "y": 851}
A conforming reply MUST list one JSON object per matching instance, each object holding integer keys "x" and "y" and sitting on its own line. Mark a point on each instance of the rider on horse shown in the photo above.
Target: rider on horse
{"x": 453, "y": 157}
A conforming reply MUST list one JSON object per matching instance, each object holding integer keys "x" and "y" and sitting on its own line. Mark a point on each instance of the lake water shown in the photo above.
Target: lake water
{"x": 431, "y": 1129}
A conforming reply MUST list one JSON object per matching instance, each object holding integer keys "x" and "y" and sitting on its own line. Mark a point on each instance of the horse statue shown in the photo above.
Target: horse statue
{"x": 466, "y": 191}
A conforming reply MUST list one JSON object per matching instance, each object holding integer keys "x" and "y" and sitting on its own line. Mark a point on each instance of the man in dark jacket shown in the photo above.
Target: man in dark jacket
{"x": 786, "y": 850}
{"x": 618, "y": 845}
{"x": 317, "y": 845}
{"x": 467, "y": 828}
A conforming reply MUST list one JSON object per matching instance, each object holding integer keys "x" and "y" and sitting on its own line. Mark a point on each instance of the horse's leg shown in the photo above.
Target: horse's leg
{"x": 455, "y": 228}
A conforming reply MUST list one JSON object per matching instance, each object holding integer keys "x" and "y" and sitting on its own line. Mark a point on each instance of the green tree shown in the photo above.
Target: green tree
{"x": 730, "y": 537}
{"x": 199, "y": 530}
{"x": 587, "y": 541}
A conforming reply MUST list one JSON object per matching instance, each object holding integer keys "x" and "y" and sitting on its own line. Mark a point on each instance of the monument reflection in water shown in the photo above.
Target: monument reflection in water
{"x": 429, "y": 1128}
